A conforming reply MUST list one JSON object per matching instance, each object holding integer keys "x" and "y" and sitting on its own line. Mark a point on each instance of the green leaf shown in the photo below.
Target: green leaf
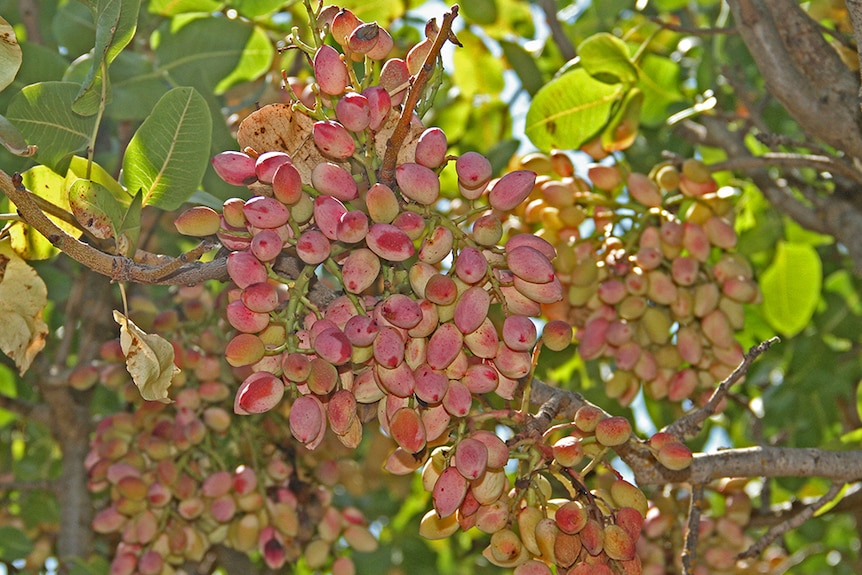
{"x": 13, "y": 140}
{"x": 80, "y": 168}
{"x": 204, "y": 52}
{"x": 40, "y": 64}
{"x": 116, "y": 22}
{"x": 74, "y": 28}
{"x": 524, "y": 65}
{"x": 477, "y": 71}
{"x": 167, "y": 156}
{"x": 52, "y": 187}
{"x": 14, "y": 544}
{"x": 95, "y": 208}
{"x": 383, "y": 11}
{"x": 569, "y": 110}
{"x": 135, "y": 87}
{"x": 482, "y": 12}
{"x": 129, "y": 228}
{"x": 10, "y": 54}
{"x": 859, "y": 400}
{"x": 174, "y": 7}
{"x": 791, "y": 287}
{"x": 255, "y": 61}
{"x": 659, "y": 81}
{"x": 43, "y": 113}
{"x": 8, "y": 389}
{"x": 606, "y": 58}
{"x": 256, "y": 8}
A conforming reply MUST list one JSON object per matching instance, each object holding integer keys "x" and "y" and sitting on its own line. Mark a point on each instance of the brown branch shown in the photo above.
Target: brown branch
{"x": 830, "y": 215}
{"x": 117, "y": 268}
{"x": 854, "y": 7}
{"x": 695, "y": 507}
{"x": 558, "y": 35}
{"x": 791, "y": 523}
{"x": 802, "y": 71}
{"x": 822, "y": 163}
{"x": 26, "y": 410}
{"x": 844, "y": 466}
{"x": 691, "y": 31}
{"x": 402, "y": 128}
{"x": 691, "y": 424}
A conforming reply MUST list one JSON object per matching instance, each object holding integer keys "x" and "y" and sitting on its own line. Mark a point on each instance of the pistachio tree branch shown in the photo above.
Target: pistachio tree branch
{"x": 691, "y": 424}
{"x": 802, "y": 71}
{"x": 174, "y": 271}
{"x": 417, "y": 86}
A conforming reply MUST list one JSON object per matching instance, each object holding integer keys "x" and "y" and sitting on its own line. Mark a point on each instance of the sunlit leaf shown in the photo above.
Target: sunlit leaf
{"x": 116, "y": 22}
{"x": 477, "y": 71}
{"x": 658, "y": 79}
{"x": 383, "y": 11}
{"x": 167, "y": 156}
{"x": 43, "y": 113}
{"x": 48, "y": 185}
{"x": 606, "y": 58}
{"x": 621, "y": 131}
{"x": 569, "y": 110}
{"x": 482, "y": 12}
{"x": 255, "y": 61}
{"x": 791, "y": 287}
{"x": 174, "y": 7}
{"x": 23, "y": 296}
{"x": 149, "y": 359}
{"x": 129, "y": 228}
{"x": 256, "y": 8}
{"x": 10, "y": 54}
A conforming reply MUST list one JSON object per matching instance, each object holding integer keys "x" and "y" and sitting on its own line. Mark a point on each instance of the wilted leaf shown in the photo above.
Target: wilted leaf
{"x": 149, "y": 359}
{"x": 95, "y": 208}
{"x": 10, "y": 54}
{"x": 23, "y": 296}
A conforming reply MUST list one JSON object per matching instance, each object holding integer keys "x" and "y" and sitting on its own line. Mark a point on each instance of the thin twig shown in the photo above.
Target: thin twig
{"x": 791, "y": 523}
{"x": 695, "y": 507}
{"x": 690, "y": 425}
{"x": 561, "y": 40}
{"x": 402, "y": 128}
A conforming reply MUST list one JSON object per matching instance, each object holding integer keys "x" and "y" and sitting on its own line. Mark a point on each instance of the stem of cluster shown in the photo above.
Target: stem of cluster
{"x": 387, "y": 170}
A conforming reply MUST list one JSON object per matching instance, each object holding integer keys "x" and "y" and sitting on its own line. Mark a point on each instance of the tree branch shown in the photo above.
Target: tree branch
{"x": 790, "y": 523}
{"x": 402, "y": 128}
{"x": 695, "y": 507}
{"x": 802, "y": 71}
{"x": 561, "y": 40}
{"x": 691, "y": 424}
{"x": 175, "y": 271}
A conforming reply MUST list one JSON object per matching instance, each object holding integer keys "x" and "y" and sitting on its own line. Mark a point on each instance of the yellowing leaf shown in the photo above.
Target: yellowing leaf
{"x": 149, "y": 359}
{"x": 23, "y": 296}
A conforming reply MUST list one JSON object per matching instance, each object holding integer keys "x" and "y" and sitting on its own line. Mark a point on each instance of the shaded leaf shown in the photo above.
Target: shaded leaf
{"x": 129, "y": 228}
{"x": 13, "y": 140}
{"x": 569, "y": 110}
{"x": 606, "y": 58}
{"x": 482, "y": 12}
{"x": 524, "y": 65}
{"x": 95, "y": 208}
{"x": 205, "y": 51}
{"x": 256, "y": 8}
{"x": 135, "y": 87}
{"x": 14, "y": 544}
{"x": 44, "y": 115}
{"x": 74, "y": 28}
{"x": 149, "y": 360}
{"x": 167, "y": 156}
{"x": 23, "y": 296}
{"x": 791, "y": 287}
{"x": 10, "y": 54}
